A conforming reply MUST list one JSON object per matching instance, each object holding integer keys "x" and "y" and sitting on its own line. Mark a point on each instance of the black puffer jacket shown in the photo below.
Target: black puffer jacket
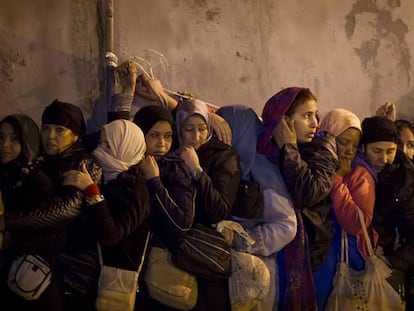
{"x": 173, "y": 200}
{"x": 20, "y": 192}
{"x": 217, "y": 188}
{"x": 67, "y": 204}
{"x": 394, "y": 212}
{"x": 78, "y": 259}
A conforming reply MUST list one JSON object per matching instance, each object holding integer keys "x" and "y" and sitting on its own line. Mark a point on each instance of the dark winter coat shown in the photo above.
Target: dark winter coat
{"x": 173, "y": 200}
{"x": 121, "y": 221}
{"x": 217, "y": 187}
{"x": 394, "y": 212}
{"x": 309, "y": 171}
{"x": 78, "y": 260}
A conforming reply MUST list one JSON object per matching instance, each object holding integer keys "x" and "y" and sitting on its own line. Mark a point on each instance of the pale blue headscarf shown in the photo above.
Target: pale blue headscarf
{"x": 246, "y": 128}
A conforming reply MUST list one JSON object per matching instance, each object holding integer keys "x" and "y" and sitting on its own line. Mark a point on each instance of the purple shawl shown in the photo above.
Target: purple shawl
{"x": 298, "y": 291}
{"x": 273, "y": 112}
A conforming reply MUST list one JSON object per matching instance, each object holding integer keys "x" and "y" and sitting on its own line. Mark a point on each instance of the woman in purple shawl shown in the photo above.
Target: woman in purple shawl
{"x": 308, "y": 163}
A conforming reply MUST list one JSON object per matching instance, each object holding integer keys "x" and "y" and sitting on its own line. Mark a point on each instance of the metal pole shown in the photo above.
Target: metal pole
{"x": 109, "y": 68}
{"x": 109, "y": 26}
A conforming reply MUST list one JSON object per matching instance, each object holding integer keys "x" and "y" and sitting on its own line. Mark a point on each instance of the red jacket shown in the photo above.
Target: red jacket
{"x": 355, "y": 190}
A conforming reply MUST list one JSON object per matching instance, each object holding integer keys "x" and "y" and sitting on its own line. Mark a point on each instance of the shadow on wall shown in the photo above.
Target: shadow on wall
{"x": 405, "y": 106}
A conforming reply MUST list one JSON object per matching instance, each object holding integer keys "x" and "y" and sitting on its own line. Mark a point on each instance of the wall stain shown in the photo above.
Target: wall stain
{"x": 212, "y": 14}
{"x": 379, "y": 41}
{"x": 245, "y": 57}
{"x": 8, "y": 63}
{"x": 367, "y": 50}
{"x": 244, "y": 79}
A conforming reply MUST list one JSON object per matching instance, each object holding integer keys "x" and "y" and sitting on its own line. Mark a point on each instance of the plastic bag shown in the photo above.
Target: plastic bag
{"x": 363, "y": 290}
{"x": 249, "y": 281}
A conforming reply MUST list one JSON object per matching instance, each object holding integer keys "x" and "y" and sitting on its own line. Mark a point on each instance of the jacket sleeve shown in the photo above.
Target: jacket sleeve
{"x": 123, "y": 210}
{"x": 403, "y": 257}
{"x": 120, "y": 107}
{"x": 278, "y": 227}
{"x": 309, "y": 174}
{"x": 174, "y": 207}
{"x": 350, "y": 193}
{"x": 52, "y": 212}
{"x": 217, "y": 188}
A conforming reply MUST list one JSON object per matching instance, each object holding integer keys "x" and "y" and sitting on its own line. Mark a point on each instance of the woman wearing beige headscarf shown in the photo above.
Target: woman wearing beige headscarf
{"x": 353, "y": 189}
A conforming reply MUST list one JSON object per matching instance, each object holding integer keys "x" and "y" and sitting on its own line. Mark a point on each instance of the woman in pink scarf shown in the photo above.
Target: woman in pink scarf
{"x": 353, "y": 189}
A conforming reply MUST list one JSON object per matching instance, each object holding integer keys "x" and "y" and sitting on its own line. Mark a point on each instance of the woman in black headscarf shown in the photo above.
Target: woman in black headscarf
{"x": 24, "y": 184}
{"x": 63, "y": 127}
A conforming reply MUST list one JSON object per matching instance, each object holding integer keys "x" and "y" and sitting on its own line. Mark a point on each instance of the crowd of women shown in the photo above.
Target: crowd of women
{"x": 178, "y": 162}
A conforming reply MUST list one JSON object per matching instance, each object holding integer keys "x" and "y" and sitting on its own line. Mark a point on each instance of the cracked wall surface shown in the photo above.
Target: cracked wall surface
{"x": 355, "y": 54}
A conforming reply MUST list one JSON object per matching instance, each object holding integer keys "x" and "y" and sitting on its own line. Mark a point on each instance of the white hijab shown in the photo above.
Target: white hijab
{"x": 127, "y": 143}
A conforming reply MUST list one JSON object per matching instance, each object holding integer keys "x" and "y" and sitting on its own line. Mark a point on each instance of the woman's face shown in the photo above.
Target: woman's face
{"x": 380, "y": 153}
{"x": 10, "y": 147}
{"x": 56, "y": 138}
{"x": 347, "y": 143}
{"x": 159, "y": 139}
{"x": 406, "y": 143}
{"x": 194, "y": 131}
{"x": 306, "y": 121}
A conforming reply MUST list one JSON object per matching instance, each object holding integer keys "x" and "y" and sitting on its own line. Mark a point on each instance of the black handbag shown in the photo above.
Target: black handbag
{"x": 204, "y": 253}
{"x": 249, "y": 200}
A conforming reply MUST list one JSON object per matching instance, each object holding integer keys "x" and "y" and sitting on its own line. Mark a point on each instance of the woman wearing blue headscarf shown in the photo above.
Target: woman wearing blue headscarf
{"x": 276, "y": 226}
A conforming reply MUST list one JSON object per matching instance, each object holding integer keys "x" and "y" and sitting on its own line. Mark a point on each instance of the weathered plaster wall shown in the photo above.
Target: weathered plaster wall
{"x": 355, "y": 54}
{"x": 49, "y": 49}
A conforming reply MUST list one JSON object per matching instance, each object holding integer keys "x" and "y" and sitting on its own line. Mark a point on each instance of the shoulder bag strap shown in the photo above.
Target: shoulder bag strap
{"x": 365, "y": 232}
{"x": 142, "y": 257}
{"x": 98, "y": 246}
{"x": 344, "y": 247}
{"x": 144, "y": 252}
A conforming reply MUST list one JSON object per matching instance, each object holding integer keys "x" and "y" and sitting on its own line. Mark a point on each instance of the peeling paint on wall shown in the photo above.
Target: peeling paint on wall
{"x": 379, "y": 41}
{"x": 12, "y": 63}
{"x": 8, "y": 63}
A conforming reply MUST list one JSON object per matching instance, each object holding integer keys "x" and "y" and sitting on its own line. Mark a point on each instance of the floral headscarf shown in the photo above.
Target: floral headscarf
{"x": 273, "y": 112}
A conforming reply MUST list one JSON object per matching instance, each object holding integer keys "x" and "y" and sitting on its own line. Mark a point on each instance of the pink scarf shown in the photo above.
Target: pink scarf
{"x": 299, "y": 287}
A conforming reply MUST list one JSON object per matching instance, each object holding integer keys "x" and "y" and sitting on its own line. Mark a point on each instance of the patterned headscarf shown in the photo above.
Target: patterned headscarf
{"x": 338, "y": 121}
{"x": 272, "y": 114}
{"x": 189, "y": 108}
{"x": 127, "y": 144}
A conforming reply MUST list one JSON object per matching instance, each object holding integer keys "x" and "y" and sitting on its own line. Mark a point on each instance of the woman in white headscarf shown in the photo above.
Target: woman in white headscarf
{"x": 120, "y": 213}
